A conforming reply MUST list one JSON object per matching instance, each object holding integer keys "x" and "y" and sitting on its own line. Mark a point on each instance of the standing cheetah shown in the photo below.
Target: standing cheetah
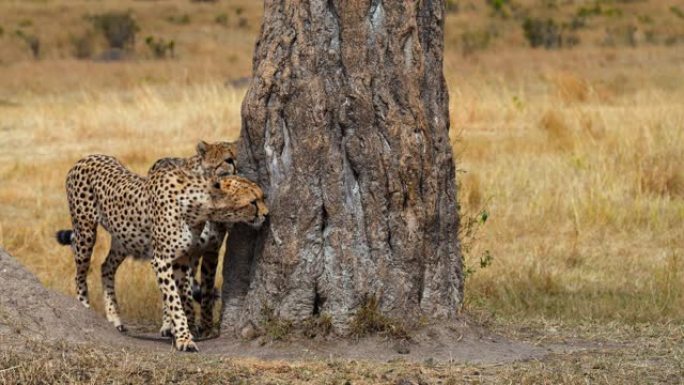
{"x": 160, "y": 217}
{"x": 212, "y": 159}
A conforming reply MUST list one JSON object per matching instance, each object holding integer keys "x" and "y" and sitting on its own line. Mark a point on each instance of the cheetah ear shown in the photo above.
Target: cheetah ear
{"x": 202, "y": 148}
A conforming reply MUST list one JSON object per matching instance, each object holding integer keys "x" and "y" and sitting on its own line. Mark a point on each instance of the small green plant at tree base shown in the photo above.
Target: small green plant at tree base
{"x": 471, "y": 225}
{"x": 370, "y": 320}
{"x": 318, "y": 325}
{"x": 118, "y": 28}
{"x": 273, "y": 326}
{"x": 32, "y": 41}
{"x": 160, "y": 48}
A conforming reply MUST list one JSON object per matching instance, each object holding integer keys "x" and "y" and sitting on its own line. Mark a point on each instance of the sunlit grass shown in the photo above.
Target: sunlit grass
{"x": 576, "y": 155}
{"x": 585, "y": 193}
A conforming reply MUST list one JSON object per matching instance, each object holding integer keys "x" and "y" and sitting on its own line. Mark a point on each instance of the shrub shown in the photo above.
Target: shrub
{"x": 221, "y": 19}
{"x": 32, "y": 41}
{"x": 597, "y": 10}
{"x": 452, "y": 6}
{"x": 118, "y": 28}
{"x": 183, "y": 19}
{"x": 677, "y": 11}
{"x": 501, "y": 8}
{"x": 590, "y": 11}
{"x": 577, "y": 22}
{"x": 544, "y": 33}
{"x": 626, "y": 35}
{"x": 472, "y": 41}
{"x": 160, "y": 48}
{"x": 82, "y": 46}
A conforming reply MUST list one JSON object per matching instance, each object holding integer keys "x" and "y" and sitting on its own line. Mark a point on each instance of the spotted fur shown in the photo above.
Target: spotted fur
{"x": 161, "y": 217}
{"x": 212, "y": 159}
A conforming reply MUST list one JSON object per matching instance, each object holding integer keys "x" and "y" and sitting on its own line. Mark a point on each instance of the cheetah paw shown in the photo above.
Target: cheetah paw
{"x": 186, "y": 345}
{"x": 166, "y": 332}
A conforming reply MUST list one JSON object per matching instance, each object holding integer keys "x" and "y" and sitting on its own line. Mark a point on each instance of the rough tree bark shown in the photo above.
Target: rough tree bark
{"x": 345, "y": 126}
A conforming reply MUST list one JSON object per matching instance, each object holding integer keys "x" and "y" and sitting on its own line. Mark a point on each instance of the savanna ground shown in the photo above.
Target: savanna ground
{"x": 574, "y": 156}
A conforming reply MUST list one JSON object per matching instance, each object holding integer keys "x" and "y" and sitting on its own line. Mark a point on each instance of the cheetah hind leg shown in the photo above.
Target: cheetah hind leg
{"x": 208, "y": 296}
{"x": 109, "y": 267}
{"x": 82, "y": 244}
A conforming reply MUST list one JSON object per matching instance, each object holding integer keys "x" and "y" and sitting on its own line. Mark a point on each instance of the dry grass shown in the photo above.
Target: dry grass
{"x": 45, "y": 135}
{"x": 576, "y": 155}
{"x": 656, "y": 355}
{"x": 584, "y": 191}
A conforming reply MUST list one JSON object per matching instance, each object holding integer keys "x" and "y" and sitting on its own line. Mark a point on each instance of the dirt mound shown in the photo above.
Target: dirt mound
{"x": 29, "y": 310}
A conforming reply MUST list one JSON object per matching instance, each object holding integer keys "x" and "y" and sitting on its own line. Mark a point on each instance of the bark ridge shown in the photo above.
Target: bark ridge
{"x": 345, "y": 126}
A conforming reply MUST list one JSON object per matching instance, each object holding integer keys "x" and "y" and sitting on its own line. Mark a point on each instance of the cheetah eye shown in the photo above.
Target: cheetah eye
{"x": 230, "y": 161}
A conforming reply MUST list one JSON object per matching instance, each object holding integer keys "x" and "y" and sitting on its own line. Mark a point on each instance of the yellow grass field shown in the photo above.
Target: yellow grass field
{"x": 576, "y": 155}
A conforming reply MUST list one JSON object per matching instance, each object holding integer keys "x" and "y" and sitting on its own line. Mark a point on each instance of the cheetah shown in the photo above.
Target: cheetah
{"x": 212, "y": 159}
{"x": 160, "y": 217}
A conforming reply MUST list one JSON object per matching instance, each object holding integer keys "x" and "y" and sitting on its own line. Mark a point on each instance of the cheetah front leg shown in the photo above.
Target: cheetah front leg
{"x": 82, "y": 245}
{"x": 109, "y": 267}
{"x": 209, "y": 263}
{"x": 185, "y": 284}
{"x": 166, "y": 330}
{"x": 163, "y": 267}
{"x": 182, "y": 273}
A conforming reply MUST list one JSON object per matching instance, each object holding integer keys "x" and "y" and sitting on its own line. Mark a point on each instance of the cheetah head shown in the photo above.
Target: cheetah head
{"x": 218, "y": 159}
{"x": 237, "y": 199}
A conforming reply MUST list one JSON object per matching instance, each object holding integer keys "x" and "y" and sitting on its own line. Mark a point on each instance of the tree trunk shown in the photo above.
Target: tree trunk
{"x": 345, "y": 126}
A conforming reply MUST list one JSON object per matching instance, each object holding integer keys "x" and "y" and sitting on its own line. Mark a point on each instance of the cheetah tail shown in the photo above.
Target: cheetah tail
{"x": 64, "y": 237}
